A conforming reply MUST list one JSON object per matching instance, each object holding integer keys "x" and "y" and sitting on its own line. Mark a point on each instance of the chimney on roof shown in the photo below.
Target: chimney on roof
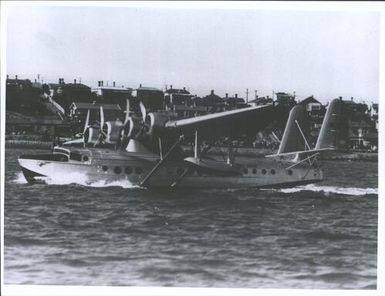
{"x": 16, "y": 77}
{"x": 184, "y": 88}
{"x": 340, "y": 98}
{"x": 7, "y": 76}
{"x": 35, "y": 80}
{"x": 171, "y": 86}
{"x": 61, "y": 80}
{"x": 212, "y": 91}
{"x": 236, "y": 96}
{"x": 101, "y": 83}
{"x": 227, "y": 95}
{"x": 74, "y": 81}
{"x": 140, "y": 85}
{"x": 351, "y": 99}
{"x": 113, "y": 83}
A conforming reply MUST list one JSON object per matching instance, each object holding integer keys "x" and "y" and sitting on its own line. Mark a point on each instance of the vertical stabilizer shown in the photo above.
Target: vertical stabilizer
{"x": 296, "y": 131}
{"x": 334, "y": 130}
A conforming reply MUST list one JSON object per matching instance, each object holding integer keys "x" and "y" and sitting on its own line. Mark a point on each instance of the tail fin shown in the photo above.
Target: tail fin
{"x": 334, "y": 130}
{"x": 333, "y": 134}
{"x": 296, "y": 130}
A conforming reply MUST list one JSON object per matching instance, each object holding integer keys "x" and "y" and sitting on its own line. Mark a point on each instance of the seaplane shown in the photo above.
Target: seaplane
{"x": 146, "y": 150}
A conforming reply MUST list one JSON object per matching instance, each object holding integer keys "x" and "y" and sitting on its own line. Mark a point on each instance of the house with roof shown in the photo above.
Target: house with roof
{"x": 152, "y": 98}
{"x": 111, "y": 94}
{"x": 234, "y": 102}
{"x": 180, "y": 101}
{"x": 363, "y": 133}
{"x": 316, "y": 112}
{"x": 66, "y": 93}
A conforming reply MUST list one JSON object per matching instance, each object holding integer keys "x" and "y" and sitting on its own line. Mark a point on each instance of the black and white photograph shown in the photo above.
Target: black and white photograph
{"x": 151, "y": 146}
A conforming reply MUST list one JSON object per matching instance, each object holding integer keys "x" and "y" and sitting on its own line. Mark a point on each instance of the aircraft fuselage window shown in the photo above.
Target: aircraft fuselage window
{"x": 117, "y": 170}
{"x": 76, "y": 156}
{"x": 85, "y": 158}
{"x": 272, "y": 171}
{"x": 290, "y": 172}
{"x": 254, "y": 171}
{"x": 138, "y": 170}
{"x": 128, "y": 170}
{"x": 245, "y": 170}
{"x": 264, "y": 172}
{"x": 105, "y": 168}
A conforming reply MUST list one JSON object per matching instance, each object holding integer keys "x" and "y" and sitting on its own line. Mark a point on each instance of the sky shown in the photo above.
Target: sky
{"x": 322, "y": 53}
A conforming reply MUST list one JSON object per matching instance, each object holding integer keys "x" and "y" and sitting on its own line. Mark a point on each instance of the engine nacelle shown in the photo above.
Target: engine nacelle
{"x": 111, "y": 130}
{"x": 156, "y": 121}
{"x": 91, "y": 135}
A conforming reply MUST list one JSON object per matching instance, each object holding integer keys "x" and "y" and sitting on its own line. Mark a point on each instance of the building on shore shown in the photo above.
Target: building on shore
{"x": 111, "y": 94}
{"x": 316, "y": 112}
{"x": 235, "y": 102}
{"x": 23, "y": 96}
{"x": 363, "y": 132}
{"x": 151, "y": 97}
{"x": 66, "y": 93}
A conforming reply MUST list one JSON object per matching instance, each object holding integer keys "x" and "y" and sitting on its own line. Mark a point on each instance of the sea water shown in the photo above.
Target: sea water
{"x": 313, "y": 236}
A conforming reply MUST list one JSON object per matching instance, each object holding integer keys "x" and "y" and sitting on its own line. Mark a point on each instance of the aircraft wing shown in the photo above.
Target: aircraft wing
{"x": 234, "y": 122}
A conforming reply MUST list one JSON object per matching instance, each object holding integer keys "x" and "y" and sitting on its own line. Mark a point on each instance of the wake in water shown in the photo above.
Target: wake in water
{"x": 331, "y": 189}
{"x": 76, "y": 178}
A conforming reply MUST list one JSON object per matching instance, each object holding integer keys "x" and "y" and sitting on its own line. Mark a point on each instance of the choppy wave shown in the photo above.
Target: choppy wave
{"x": 331, "y": 189}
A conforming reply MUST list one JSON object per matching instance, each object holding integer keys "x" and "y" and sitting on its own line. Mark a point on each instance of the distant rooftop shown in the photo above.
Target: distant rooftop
{"x": 149, "y": 88}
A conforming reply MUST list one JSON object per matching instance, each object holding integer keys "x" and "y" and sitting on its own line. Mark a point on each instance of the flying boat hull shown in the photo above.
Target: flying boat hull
{"x": 106, "y": 166}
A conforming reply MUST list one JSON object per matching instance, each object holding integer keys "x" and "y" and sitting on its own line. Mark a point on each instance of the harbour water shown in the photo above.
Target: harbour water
{"x": 314, "y": 236}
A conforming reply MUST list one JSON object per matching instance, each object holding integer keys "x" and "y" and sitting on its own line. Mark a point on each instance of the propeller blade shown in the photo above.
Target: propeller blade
{"x": 101, "y": 117}
{"x": 87, "y": 121}
{"x": 127, "y": 110}
{"x": 142, "y": 110}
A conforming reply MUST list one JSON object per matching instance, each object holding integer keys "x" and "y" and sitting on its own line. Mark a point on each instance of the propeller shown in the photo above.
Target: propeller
{"x": 127, "y": 111}
{"x": 102, "y": 134}
{"x": 87, "y": 121}
{"x": 143, "y": 111}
